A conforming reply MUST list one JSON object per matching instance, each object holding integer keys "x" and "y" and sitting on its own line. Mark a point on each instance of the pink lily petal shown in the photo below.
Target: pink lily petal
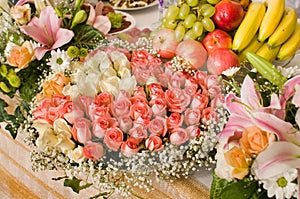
{"x": 296, "y": 98}
{"x": 62, "y": 37}
{"x": 102, "y": 23}
{"x": 92, "y": 15}
{"x": 249, "y": 95}
{"x": 99, "y": 8}
{"x": 289, "y": 89}
{"x": 270, "y": 123}
{"x": 233, "y": 105}
{"x": 39, "y": 52}
{"x": 277, "y": 158}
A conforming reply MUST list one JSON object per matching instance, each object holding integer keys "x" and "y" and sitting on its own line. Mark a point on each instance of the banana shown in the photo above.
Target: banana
{"x": 249, "y": 26}
{"x": 252, "y": 47}
{"x": 289, "y": 48}
{"x": 268, "y": 53}
{"x": 273, "y": 15}
{"x": 285, "y": 28}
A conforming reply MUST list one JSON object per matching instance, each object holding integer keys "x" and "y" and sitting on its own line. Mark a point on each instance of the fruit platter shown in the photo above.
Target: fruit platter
{"x": 215, "y": 87}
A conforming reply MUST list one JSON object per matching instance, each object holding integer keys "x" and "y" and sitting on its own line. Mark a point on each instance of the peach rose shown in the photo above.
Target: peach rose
{"x": 55, "y": 85}
{"x": 175, "y": 120}
{"x": 155, "y": 91}
{"x": 239, "y": 160}
{"x": 179, "y": 136}
{"x": 207, "y": 115}
{"x": 194, "y": 131}
{"x": 158, "y": 126}
{"x": 121, "y": 106}
{"x": 93, "y": 150}
{"x": 20, "y": 56}
{"x": 199, "y": 101}
{"x": 192, "y": 116}
{"x": 154, "y": 143}
{"x": 140, "y": 113}
{"x": 113, "y": 138}
{"x": 139, "y": 133}
{"x": 103, "y": 99}
{"x": 254, "y": 140}
{"x": 130, "y": 147}
{"x": 177, "y": 80}
{"x": 177, "y": 100}
{"x": 102, "y": 124}
{"x": 125, "y": 123}
{"x": 159, "y": 107}
{"x": 22, "y": 14}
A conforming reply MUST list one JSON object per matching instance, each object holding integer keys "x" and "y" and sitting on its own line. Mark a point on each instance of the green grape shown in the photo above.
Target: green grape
{"x": 184, "y": 11}
{"x": 213, "y": 2}
{"x": 172, "y": 12}
{"x": 189, "y": 20}
{"x": 179, "y": 32}
{"x": 198, "y": 28}
{"x": 192, "y": 3}
{"x": 208, "y": 24}
{"x": 190, "y": 34}
{"x": 171, "y": 24}
{"x": 207, "y": 10}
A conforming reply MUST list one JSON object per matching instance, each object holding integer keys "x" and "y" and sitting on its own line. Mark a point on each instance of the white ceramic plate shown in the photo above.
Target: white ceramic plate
{"x": 128, "y": 18}
{"x": 154, "y": 3}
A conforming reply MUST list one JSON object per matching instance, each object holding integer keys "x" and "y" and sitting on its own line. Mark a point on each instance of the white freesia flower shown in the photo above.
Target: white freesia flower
{"x": 282, "y": 186}
{"x": 76, "y": 154}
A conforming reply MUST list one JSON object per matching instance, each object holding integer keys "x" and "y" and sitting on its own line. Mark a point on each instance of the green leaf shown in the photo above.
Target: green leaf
{"x": 87, "y": 36}
{"x": 238, "y": 189}
{"x": 74, "y": 184}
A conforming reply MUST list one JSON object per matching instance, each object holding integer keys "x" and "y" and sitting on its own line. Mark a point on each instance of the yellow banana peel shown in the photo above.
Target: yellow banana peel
{"x": 267, "y": 52}
{"x": 252, "y": 47}
{"x": 289, "y": 48}
{"x": 273, "y": 15}
{"x": 249, "y": 26}
{"x": 285, "y": 28}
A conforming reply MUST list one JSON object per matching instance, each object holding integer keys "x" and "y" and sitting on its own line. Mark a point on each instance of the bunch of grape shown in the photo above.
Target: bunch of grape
{"x": 190, "y": 19}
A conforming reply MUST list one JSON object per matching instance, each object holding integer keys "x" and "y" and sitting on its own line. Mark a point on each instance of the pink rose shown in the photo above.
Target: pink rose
{"x": 194, "y": 131}
{"x": 199, "y": 101}
{"x": 96, "y": 112}
{"x": 121, "y": 106}
{"x": 207, "y": 115}
{"x": 140, "y": 113}
{"x": 58, "y": 99}
{"x": 177, "y": 80}
{"x": 212, "y": 80}
{"x": 125, "y": 123}
{"x": 179, "y": 136}
{"x": 154, "y": 143}
{"x": 139, "y": 59}
{"x": 102, "y": 124}
{"x": 139, "y": 133}
{"x": 159, "y": 107}
{"x": 54, "y": 113}
{"x": 175, "y": 120}
{"x": 83, "y": 103}
{"x": 81, "y": 130}
{"x": 217, "y": 101}
{"x": 139, "y": 96}
{"x": 191, "y": 89}
{"x": 177, "y": 100}
{"x": 158, "y": 126}
{"x": 93, "y": 150}
{"x": 164, "y": 78}
{"x": 130, "y": 147}
{"x": 201, "y": 78}
{"x": 142, "y": 75}
{"x": 113, "y": 138}
{"x": 214, "y": 91}
{"x": 192, "y": 116}
{"x": 155, "y": 91}
{"x": 103, "y": 99}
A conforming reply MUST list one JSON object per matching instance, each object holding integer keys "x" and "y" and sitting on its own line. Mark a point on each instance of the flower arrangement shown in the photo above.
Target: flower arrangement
{"x": 104, "y": 111}
{"x": 257, "y": 152}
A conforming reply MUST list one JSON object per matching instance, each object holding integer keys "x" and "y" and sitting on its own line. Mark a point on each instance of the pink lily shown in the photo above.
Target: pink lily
{"x": 247, "y": 110}
{"x": 97, "y": 20}
{"x": 46, "y": 31}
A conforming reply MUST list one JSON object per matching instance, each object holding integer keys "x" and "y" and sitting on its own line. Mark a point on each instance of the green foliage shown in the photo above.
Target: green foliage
{"x": 87, "y": 36}
{"x": 237, "y": 189}
{"x": 74, "y": 184}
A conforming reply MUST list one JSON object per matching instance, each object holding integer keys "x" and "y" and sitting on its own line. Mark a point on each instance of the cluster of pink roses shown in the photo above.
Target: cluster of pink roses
{"x": 170, "y": 108}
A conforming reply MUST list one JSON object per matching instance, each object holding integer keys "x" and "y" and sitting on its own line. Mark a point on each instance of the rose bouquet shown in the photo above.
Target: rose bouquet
{"x": 258, "y": 151}
{"x": 103, "y": 111}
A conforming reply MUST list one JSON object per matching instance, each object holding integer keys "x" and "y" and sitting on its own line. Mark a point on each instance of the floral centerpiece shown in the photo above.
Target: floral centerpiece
{"x": 104, "y": 111}
{"x": 258, "y": 150}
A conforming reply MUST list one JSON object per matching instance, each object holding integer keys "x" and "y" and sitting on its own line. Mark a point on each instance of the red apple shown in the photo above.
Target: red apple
{"x": 217, "y": 39}
{"x": 193, "y": 52}
{"x": 164, "y": 43}
{"x": 220, "y": 60}
{"x": 228, "y": 15}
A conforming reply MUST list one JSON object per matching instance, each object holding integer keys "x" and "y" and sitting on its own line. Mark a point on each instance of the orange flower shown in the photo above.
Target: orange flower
{"x": 254, "y": 140}
{"x": 21, "y": 56}
{"x": 239, "y": 160}
{"x": 55, "y": 85}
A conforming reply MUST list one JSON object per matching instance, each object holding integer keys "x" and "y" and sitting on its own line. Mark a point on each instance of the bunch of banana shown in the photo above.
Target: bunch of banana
{"x": 268, "y": 29}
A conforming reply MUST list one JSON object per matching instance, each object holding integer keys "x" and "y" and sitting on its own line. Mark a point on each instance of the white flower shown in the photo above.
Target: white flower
{"x": 223, "y": 170}
{"x": 59, "y": 61}
{"x": 282, "y": 186}
{"x": 76, "y": 154}
{"x": 231, "y": 71}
